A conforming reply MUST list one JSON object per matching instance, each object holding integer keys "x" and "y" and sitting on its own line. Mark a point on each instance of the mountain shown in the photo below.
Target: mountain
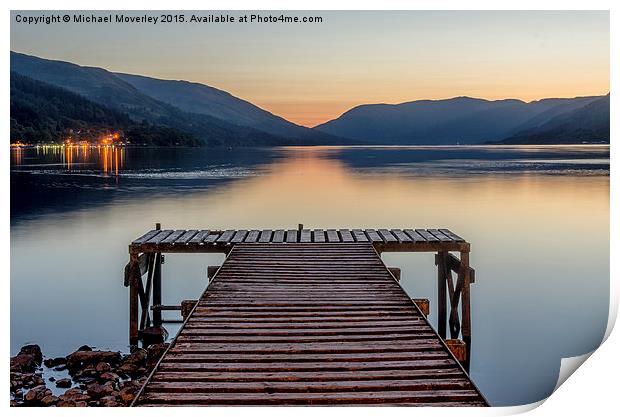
{"x": 41, "y": 112}
{"x": 586, "y": 124}
{"x": 108, "y": 89}
{"x": 203, "y": 99}
{"x": 461, "y": 120}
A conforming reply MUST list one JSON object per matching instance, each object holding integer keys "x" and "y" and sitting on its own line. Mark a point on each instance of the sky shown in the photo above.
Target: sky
{"x": 310, "y": 73}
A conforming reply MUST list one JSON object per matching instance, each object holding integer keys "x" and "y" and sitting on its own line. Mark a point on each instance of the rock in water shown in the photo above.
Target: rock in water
{"x": 33, "y": 350}
{"x": 82, "y": 358}
{"x": 153, "y": 335}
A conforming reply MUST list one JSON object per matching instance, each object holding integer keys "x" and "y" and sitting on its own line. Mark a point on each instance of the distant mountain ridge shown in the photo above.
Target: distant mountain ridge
{"x": 587, "y": 124}
{"x": 463, "y": 120}
{"x": 109, "y": 89}
{"x": 203, "y": 99}
{"x": 216, "y": 117}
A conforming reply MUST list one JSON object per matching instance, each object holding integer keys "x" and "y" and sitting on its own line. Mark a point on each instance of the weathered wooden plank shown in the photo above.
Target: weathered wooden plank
{"x": 415, "y": 236}
{"x": 265, "y": 236}
{"x": 145, "y": 237}
{"x": 278, "y": 236}
{"x": 252, "y": 236}
{"x": 332, "y": 235}
{"x": 199, "y": 237}
{"x": 226, "y": 237}
{"x": 156, "y": 239}
{"x": 172, "y": 237}
{"x": 239, "y": 236}
{"x": 453, "y": 236}
{"x": 291, "y": 236}
{"x": 426, "y": 235}
{"x": 439, "y": 235}
{"x": 400, "y": 235}
{"x": 373, "y": 236}
{"x": 305, "y": 236}
{"x": 359, "y": 235}
{"x": 318, "y": 235}
{"x": 212, "y": 237}
{"x": 346, "y": 235}
{"x": 387, "y": 236}
{"x": 186, "y": 237}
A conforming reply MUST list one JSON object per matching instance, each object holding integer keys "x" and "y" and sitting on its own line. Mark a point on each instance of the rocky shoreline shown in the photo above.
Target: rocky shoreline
{"x": 96, "y": 378}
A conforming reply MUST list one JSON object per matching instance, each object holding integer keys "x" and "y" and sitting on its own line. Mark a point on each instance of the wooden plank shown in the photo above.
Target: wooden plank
{"x": 453, "y": 236}
{"x": 145, "y": 237}
{"x": 199, "y": 237}
{"x": 373, "y": 236}
{"x": 291, "y": 236}
{"x": 186, "y": 237}
{"x": 265, "y": 236}
{"x": 239, "y": 236}
{"x": 156, "y": 239}
{"x": 400, "y": 235}
{"x": 226, "y": 237}
{"x": 359, "y": 235}
{"x": 332, "y": 235}
{"x": 212, "y": 237}
{"x": 346, "y": 235}
{"x": 305, "y": 236}
{"x": 172, "y": 237}
{"x": 426, "y": 235}
{"x": 318, "y": 236}
{"x": 252, "y": 236}
{"x": 387, "y": 236}
{"x": 442, "y": 237}
{"x": 278, "y": 236}
{"x": 415, "y": 236}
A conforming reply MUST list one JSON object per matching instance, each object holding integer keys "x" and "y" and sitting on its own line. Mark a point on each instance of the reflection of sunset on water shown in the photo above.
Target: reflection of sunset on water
{"x": 109, "y": 159}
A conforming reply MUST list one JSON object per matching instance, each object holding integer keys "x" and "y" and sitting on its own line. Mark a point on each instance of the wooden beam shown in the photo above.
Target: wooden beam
{"x": 157, "y": 287}
{"x": 424, "y": 305}
{"x": 440, "y": 261}
{"x": 395, "y": 273}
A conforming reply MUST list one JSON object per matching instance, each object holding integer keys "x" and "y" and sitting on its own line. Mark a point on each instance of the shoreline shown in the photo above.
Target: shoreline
{"x": 91, "y": 378}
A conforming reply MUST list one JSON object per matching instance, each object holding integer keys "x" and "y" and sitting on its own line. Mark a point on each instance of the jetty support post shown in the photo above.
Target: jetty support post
{"x": 157, "y": 321}
{"x": 465, "y": 278}
{"x": 442, "y": 308}
{"x": 134, "y": 276}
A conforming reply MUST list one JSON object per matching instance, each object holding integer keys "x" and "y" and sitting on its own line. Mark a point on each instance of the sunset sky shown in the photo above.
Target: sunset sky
{"x": 313, "y": 72}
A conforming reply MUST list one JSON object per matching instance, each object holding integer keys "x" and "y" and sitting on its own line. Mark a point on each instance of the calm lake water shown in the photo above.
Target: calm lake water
{"x": 537, "y": 219}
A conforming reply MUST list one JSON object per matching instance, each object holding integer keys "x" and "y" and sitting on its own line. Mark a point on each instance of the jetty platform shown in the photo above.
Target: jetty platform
{"x": 306, "y": 317}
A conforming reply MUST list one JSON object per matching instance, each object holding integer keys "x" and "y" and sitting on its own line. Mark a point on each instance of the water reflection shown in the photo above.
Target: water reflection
{"x": 527, "y": 222}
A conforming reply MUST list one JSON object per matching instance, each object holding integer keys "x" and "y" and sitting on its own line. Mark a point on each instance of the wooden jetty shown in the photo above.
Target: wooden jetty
{"x": 307, "y": 317}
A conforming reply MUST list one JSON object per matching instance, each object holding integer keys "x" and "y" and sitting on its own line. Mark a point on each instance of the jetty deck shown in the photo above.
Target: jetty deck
{"x": 301, "y": 320}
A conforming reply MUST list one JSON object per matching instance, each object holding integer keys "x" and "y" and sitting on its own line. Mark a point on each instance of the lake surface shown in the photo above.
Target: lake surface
{"x": 537, "y": 219}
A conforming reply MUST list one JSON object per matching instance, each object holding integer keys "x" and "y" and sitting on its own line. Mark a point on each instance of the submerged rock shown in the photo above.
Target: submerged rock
{"x": 64, "y": 383}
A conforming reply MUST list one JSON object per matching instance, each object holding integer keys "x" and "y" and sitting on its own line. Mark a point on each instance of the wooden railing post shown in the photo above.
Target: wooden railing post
{"x": 442, "y": 310}
{"x": 157, "y": 289}
{"x": 134, "y": 276}
{"x": 465, "y": 306}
